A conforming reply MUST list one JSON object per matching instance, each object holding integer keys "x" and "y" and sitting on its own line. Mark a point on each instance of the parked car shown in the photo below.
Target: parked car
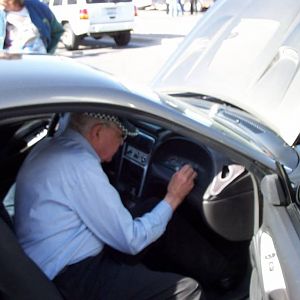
{"x": 94, "y": 18}
{"x": 227, "y": 103}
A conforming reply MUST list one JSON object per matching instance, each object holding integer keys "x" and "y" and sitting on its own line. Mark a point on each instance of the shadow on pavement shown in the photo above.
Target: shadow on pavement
{"x": 106, "y": 44}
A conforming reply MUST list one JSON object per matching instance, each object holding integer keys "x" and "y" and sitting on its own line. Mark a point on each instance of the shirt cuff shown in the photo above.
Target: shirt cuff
{"x": 164, "y": 210}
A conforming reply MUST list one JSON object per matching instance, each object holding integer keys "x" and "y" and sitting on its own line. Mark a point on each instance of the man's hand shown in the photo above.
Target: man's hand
{"x": 180, "y": 185}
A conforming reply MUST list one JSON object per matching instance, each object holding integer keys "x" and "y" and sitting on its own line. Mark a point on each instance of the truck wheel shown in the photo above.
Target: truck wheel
{"x": 69, "y": 39}
{"x": 122, "y": 38}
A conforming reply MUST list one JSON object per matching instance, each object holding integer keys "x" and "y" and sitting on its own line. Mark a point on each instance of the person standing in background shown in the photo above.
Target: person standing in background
{"x": 28, "y": 26}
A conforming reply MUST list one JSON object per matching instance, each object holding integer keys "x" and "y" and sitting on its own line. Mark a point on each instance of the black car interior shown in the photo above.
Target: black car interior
{"x": 220, "y": 206}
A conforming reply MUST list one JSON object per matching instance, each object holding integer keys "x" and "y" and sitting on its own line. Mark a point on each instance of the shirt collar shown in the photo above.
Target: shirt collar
{"x": 79, "y": 138}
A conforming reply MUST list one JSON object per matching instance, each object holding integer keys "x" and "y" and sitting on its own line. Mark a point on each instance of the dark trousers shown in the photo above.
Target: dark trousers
{"x": 113, "y": 275}
{"x": 102, "y": 277}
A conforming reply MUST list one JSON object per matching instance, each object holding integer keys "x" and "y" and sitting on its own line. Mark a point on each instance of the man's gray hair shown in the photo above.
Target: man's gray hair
{"x": 82, "y": 122}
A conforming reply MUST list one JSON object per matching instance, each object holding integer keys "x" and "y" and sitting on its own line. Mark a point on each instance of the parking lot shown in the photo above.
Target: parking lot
{"x": 156, "y": 35}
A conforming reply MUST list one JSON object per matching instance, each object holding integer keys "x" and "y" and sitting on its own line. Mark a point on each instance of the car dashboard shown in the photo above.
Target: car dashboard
{"x": 146, "y": 162}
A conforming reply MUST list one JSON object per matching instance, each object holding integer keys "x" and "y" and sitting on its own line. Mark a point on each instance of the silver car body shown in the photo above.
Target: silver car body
{"x": 37, "y": 85}
{"x": 261, "y": 79}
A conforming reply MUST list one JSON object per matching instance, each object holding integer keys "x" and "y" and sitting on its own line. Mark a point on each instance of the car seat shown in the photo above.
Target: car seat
{"x": 20, "y": 278}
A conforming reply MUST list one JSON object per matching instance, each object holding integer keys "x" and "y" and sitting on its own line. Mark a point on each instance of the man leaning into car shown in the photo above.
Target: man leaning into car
{"x": 67, "y": 214}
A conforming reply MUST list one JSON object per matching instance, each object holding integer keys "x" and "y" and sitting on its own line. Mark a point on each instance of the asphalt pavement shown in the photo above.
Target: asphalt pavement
{"x": 155, "y": 36}
{"x": 159, "y": 22}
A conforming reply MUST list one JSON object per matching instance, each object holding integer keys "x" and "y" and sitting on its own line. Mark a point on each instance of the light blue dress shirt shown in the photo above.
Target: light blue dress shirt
{"x": 66, "y": 210}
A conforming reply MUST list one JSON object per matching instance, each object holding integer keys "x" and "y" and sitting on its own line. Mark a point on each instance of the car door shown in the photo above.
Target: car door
{"x": 275, "y": 248}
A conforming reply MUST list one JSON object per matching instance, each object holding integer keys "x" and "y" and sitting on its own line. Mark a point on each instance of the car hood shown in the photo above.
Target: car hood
{"x": 245, "y": 53}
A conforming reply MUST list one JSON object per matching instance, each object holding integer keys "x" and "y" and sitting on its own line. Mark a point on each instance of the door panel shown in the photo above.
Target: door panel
{"x": 275, "y": 249}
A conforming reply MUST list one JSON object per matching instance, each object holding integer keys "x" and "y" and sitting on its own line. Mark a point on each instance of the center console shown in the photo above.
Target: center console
{"x": 134, "y": 164}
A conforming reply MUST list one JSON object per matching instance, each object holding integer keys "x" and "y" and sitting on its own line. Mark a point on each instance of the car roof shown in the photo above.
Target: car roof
{"x": 245, "y": 53}
{"x": 26, "y": 79}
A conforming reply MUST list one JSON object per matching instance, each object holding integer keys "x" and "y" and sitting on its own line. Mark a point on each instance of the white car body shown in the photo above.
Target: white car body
{"x": 95, "y": 17}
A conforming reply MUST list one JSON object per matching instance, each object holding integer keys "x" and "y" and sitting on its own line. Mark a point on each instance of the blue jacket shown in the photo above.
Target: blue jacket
{"x": 41, "y": 16}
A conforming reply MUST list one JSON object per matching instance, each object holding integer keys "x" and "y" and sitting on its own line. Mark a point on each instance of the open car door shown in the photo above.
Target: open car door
{"x": 275, "y": 248}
